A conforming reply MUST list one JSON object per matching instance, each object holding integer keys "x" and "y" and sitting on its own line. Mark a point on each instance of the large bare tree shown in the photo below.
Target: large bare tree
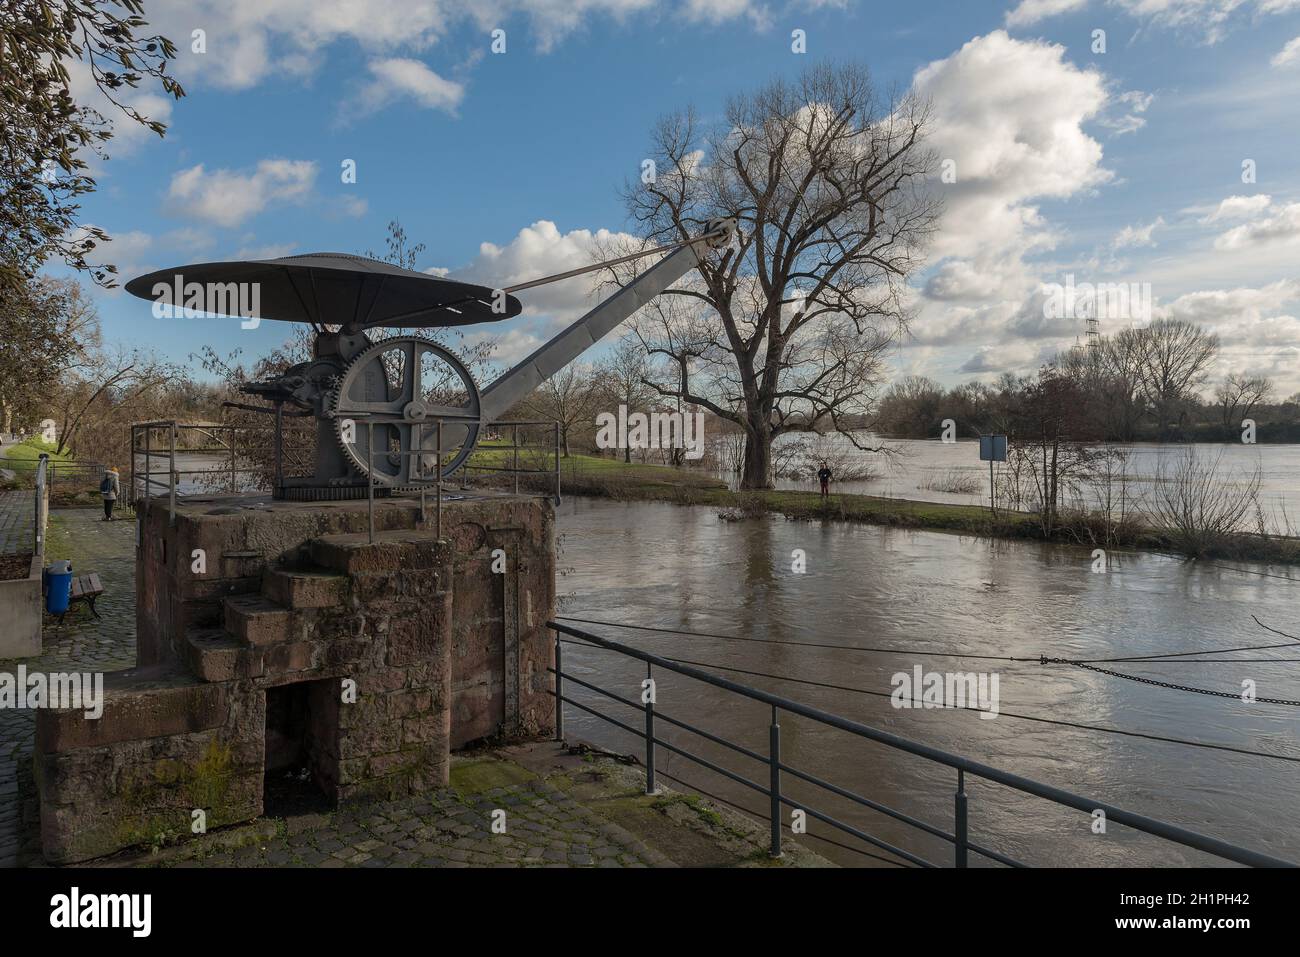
{"x": 1176, "y": 357}
{"x": 786, "y": 330}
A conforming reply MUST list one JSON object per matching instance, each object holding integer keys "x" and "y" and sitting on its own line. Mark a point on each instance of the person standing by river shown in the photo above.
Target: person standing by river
{"x": 824, "y": 476}
{"x": 109, "y": 488}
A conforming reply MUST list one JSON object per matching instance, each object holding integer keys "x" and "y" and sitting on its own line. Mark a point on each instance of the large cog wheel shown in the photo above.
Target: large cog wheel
{"x": 400, "y": 388}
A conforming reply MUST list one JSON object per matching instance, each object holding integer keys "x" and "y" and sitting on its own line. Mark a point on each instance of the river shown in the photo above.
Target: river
{"x": 685, "y": 568}
{"x": 921, "y": 468}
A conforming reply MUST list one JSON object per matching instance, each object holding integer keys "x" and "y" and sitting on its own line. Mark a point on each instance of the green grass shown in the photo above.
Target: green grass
{"x": 27, "y": 452}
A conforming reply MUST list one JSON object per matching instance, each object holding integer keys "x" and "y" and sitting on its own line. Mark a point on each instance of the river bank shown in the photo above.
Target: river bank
{"x": 650, "y": 483}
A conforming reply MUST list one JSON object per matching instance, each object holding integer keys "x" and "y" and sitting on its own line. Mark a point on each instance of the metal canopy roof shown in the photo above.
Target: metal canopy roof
{"x": 339, "y": 289}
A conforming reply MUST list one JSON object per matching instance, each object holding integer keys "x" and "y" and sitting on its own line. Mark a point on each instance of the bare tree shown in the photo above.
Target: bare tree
{"x": 621, "y": 378}
{"x": 1175, "y": 360}
{"x": 786, "y": 330}
{"x": 568, "y": 397}
{"x": 1237, "y": 398}
{"x": 1200, "y": 510}
{"x": 103, "y": 383}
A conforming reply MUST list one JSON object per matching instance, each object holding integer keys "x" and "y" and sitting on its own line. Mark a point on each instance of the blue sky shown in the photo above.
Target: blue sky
{"x": 1122, "y": 166}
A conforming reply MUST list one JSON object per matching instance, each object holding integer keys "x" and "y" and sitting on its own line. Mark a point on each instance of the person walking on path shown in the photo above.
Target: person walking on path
{"x": 110, "y": 489}
{"x": 824, "y": 476}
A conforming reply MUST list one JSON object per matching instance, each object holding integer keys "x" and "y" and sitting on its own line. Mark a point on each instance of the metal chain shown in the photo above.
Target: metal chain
{"x": 1165, "y": 684}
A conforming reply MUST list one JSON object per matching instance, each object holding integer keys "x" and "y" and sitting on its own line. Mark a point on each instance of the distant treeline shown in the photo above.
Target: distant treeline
{"x": 1143, "y": 384}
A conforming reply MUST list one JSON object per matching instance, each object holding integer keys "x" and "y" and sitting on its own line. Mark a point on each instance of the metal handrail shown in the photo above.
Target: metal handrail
{"x": 42, "y": 507}
{"x": 960, "y": 838}
{"x": 167, "y": 480}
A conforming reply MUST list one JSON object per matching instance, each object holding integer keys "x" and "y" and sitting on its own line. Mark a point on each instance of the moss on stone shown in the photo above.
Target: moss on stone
{"x": 475, "y": 775}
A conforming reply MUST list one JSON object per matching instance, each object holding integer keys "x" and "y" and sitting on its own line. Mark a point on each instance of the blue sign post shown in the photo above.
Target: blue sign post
{"x": 993, "y": 448}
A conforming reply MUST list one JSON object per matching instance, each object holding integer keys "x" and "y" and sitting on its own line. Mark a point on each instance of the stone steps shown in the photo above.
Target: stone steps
{"x": 298, "y": 589}
{"x": 215, "y": 656}
{"x": 256, "y": 620}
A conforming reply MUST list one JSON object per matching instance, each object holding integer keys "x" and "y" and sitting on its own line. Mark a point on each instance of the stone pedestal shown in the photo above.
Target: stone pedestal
{"x": 267, "y": 628}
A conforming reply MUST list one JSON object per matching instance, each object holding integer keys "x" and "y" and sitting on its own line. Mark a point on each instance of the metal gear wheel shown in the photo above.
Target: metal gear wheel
{"x": 401, "y": 388}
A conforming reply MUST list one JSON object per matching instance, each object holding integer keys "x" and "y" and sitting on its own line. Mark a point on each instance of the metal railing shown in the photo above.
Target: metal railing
{"x": 146, "y": 483}
{"x": 42, "y": 508}
{"x": 959, "y": 837}
{"x": 423, "y": 481}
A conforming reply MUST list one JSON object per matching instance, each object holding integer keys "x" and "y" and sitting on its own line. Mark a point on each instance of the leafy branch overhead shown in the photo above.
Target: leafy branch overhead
{"x": 45, "y": 133}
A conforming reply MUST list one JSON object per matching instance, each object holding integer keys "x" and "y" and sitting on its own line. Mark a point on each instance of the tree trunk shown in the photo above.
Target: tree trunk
{"x": 758, "y": 459}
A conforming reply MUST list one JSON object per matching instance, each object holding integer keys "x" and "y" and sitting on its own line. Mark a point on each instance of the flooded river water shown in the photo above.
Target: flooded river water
{"x": 673, "y": 567}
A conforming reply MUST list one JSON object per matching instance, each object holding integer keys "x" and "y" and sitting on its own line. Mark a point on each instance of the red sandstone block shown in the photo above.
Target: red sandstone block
{"x": 390, "y": 552}
{"x": 255, "y": 620}
{"x": 215, "y": 656}
{"x": 304, "y": 589}
{"x": 148, "y": 702}
{"x": 290, "y": 656}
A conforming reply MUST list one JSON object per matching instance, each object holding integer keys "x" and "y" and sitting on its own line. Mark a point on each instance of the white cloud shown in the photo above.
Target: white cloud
{"x": 1279, "y": 225}
{"x": 1010, "y": 114}
{"x": 1131, "y": 236}
{"x": 1207, "y": 18}
{"x": 1239, "y": 207}
{"x": 251, "y": 40}
{"x": 404, "y": 78}
{"x": 1289, "y": 54}
{"x": 228, "y": 198}
{"x": 1124, "y": 112}
{"x": 1030, "y": 12}
{"x": 542, "y": 250}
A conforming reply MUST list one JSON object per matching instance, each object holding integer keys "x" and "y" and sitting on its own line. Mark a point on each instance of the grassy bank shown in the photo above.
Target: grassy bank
{"x": 607, "y": 478}
{"x": 27, "y": 452}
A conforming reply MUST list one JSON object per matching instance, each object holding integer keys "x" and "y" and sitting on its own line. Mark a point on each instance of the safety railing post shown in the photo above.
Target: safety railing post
{"x": 171, "y": 464}
{"x": 648, "y": 695}
{"x": 370, "y": 480}
{"x": 559, "y": 692}
{"x": 961, "y": 844}
{"x": 515, "y": 466}
{"x": 557, "y": 463}
{"x": 774, "y": 790}
{"x": 423, "y": 474}
{"x": 438, "y": 478}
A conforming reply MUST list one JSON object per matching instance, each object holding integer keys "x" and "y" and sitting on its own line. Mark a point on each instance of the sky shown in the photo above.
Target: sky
{"x": 1162, "y": 153}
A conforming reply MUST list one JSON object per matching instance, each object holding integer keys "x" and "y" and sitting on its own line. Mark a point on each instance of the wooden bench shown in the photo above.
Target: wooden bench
{"x": 84, "y": 588}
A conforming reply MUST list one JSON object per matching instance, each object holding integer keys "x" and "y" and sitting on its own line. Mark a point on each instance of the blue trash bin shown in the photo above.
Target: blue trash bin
{"x": 58, "y": 587}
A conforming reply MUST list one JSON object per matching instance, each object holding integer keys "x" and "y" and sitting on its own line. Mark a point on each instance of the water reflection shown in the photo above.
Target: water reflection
{"x": 869, "y": 587}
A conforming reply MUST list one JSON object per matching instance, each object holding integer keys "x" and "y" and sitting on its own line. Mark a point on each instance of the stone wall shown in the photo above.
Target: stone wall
{"x": 412, "y": 645}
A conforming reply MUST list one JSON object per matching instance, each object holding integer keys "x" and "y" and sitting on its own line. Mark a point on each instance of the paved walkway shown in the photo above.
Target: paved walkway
{"x": 543, "y": 828}
{"x": 17, "y": 515}
{"x": 82, "y": 644}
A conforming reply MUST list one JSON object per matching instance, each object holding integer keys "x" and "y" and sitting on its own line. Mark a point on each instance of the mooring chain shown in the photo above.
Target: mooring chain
{"x": 1163, "y": 684}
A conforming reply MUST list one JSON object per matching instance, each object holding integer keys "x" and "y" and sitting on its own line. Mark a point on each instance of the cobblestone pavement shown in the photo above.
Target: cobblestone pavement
{"x": 82, "y": 644}
{"x": 17, "y": 513}
{"x": 544, "y": 827}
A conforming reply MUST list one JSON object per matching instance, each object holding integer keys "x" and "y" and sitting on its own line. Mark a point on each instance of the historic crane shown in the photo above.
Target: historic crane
{"x": 398, "y": 389}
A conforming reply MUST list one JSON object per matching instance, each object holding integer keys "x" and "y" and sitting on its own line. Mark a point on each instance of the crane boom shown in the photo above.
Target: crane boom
{"x": 549, "y": 359}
